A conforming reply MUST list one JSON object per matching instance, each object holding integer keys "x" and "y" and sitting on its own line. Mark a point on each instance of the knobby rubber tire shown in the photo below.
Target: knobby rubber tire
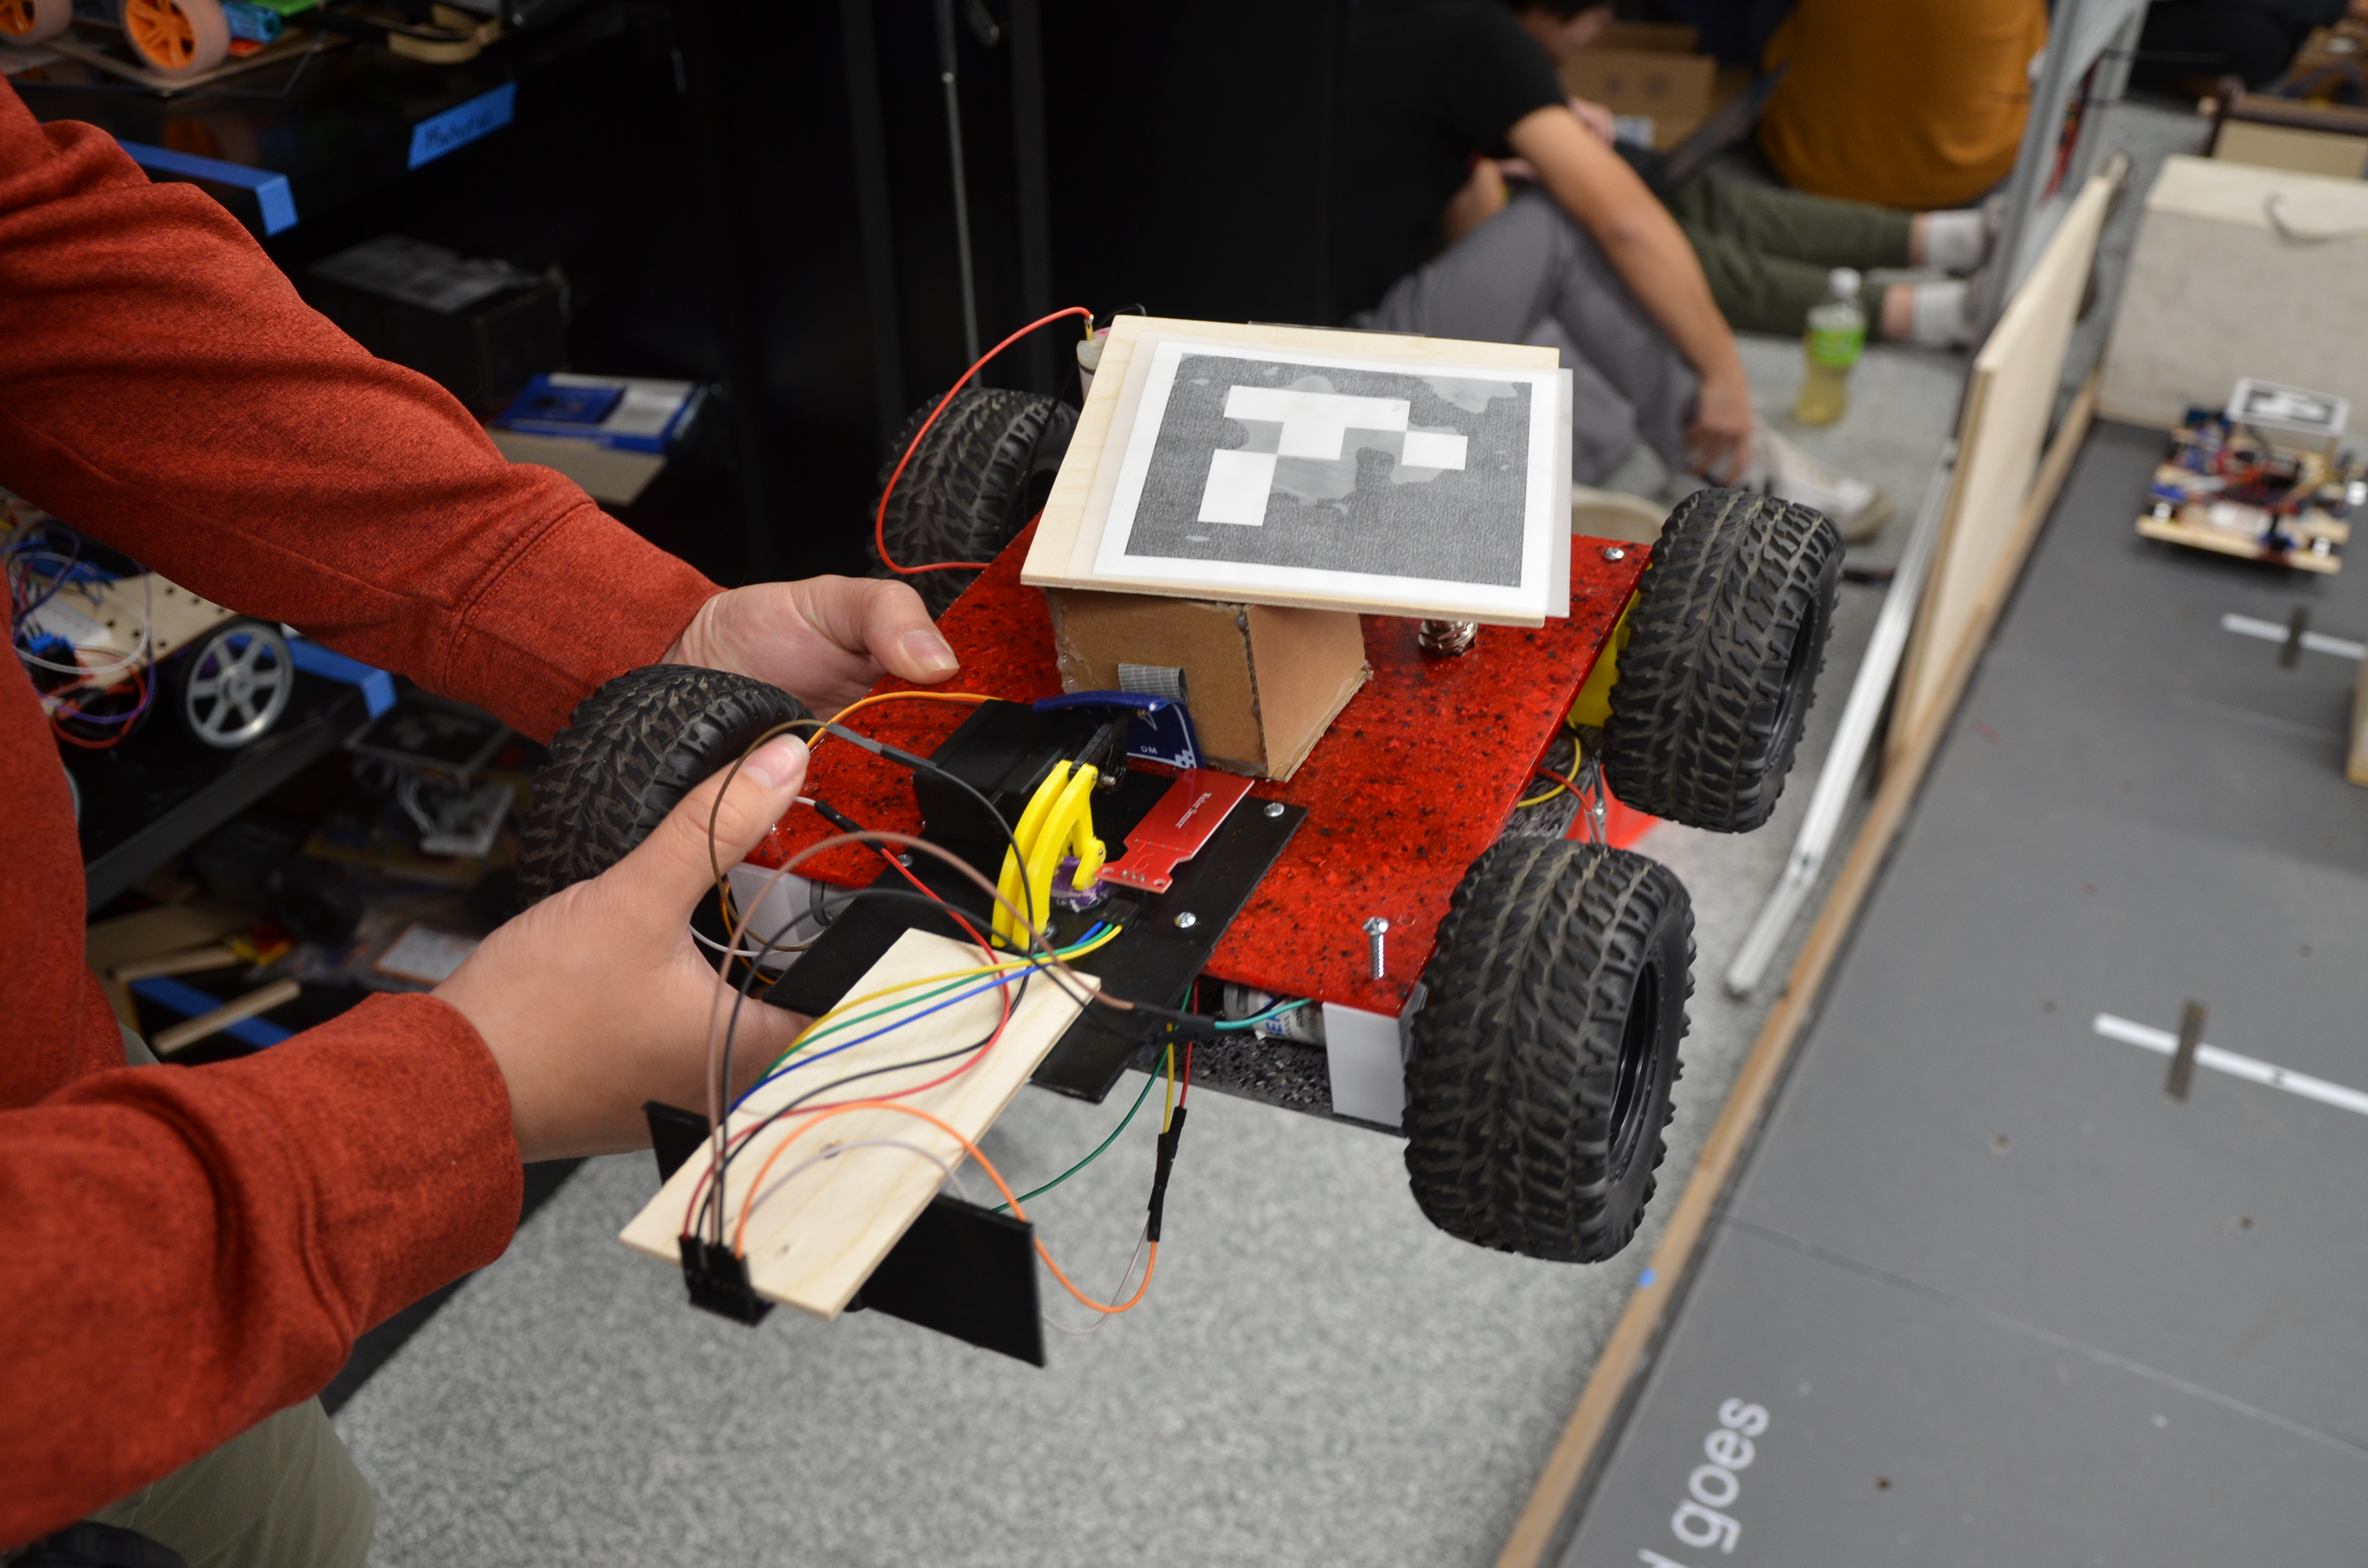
{"x": 1557, "y": 963}
{"x": 983, "y": 472}
{"x": 1725, "y": 644}
{"x": 631, "y": 752}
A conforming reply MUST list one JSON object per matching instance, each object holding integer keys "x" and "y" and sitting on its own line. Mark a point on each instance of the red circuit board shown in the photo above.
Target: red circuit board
{"x": 1413, "y": 781}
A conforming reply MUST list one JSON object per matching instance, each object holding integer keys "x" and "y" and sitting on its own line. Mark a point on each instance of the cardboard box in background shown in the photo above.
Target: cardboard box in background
{"x": 1263, "y": 683}
{"x": 2280, "y": 133}
{"x": 1648, "y": 69}
{"x": 2240, "y": 272}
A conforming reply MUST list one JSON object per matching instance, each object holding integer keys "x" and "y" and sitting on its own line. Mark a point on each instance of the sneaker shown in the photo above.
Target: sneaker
{"x": 1859, "y": 508}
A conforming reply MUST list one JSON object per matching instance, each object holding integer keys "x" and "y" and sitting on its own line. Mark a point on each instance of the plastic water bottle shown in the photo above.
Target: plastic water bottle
{"x": 1836, "y": 337}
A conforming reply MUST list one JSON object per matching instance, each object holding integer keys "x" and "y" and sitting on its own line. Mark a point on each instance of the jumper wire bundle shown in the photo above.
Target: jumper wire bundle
{"x": 92, "y": 705}
{"x": 1054, "y": 835}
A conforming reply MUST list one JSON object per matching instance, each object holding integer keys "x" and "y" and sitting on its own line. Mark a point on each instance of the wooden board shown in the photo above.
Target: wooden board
{"x": 2356, "y": 766}
{"x": 1627, "y": 1353}
{"x": 2008, "y": 407}
{"x": 815, "y": 1240}
{"x": 2173, "y": 530}
{"x": 1069, "y": 534}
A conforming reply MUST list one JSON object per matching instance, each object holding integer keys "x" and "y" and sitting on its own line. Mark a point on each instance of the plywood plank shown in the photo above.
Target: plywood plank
{"x": 2008, "y": 407}
{"x": 814, "y": 1242}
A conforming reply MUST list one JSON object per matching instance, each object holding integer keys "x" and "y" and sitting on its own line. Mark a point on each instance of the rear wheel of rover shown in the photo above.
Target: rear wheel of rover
{"x": 1545, "y": 1051}
{"x": 1721, "y": 664}
{"x": 631, "y": 752}
{"x": 982, "y": 473}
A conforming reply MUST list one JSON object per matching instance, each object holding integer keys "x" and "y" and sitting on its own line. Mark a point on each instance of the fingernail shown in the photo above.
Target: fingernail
{"x": 777, "y": 762}
{"x": 929, "y": 650}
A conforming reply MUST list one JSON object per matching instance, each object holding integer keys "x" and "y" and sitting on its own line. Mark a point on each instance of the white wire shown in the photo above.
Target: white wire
{"x": 105, "y": 675}
{"x": 779, "y": 957}
{"x": 1109, "y": 1312}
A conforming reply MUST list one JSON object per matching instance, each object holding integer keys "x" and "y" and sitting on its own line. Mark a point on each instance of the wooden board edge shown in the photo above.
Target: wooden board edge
{"x": 1607, "y": 1387}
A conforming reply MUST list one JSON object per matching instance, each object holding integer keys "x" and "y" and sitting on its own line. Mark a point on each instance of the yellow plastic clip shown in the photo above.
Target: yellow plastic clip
{"x": 1069, "y": 826}
{"x": 1012, "y": 885}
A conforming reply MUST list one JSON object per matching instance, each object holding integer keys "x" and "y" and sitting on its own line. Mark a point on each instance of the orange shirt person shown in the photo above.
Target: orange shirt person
{"x": 1916, "y": 104}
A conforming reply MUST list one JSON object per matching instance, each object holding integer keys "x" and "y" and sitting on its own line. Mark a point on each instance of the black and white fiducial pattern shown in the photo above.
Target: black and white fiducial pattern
{"x": 1260, "y": 462}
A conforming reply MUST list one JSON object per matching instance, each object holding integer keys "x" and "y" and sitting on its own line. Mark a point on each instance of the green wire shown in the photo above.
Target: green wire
{"x": 833, "y": 1028}
{"x": 1148, "y": 1084}
{"x": 1257, "y": 1018}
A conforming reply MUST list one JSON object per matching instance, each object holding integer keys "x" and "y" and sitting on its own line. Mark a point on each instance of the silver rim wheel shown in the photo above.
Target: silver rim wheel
{"x": 239, "y": 683}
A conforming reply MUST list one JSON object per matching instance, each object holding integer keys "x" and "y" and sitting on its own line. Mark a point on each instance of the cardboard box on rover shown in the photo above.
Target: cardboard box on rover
{"x": 1263, "y": 683}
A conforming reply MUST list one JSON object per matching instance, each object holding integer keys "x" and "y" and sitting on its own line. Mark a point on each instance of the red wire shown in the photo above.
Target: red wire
{"x": 880, "y": 524}
{"x": 1186, "y": 1096}
{"x": 59, "y": 716}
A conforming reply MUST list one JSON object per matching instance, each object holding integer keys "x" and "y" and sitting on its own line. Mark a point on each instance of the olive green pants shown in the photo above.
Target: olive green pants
{"x": 282, "y": 1493}
{"x": 1767, "y": 250}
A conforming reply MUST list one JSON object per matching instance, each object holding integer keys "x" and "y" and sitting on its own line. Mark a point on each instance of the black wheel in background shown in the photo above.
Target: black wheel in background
{"x": 631, "y": 752}
{"x": 1720, "y": 666}
{"x": 983, "y": 472}
{"x": 1545, "y": 1052}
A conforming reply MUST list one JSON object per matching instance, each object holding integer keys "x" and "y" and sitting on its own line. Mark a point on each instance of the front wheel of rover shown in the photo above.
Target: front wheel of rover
{"x": 1544, "y": 1053}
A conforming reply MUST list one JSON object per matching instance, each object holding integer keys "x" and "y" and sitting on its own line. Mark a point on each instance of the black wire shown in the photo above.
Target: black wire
{"x": 721, "y": 1162}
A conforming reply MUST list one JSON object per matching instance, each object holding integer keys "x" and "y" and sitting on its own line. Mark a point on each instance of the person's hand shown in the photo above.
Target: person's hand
{"x": 1596, "y": 117}
{"x": 595, "y": 999}
{"x": 825, "y": 640}
{"x": 1718, "y": 442}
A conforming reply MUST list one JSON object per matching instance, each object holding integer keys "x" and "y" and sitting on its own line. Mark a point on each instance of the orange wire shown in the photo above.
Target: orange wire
{"x": 862, "y": 703}
{"x": 757, "y": 1186}
{"x": 880, "y": 524}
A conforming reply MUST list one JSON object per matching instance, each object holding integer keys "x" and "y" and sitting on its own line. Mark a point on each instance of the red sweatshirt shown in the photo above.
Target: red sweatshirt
{"x": 184, "y": 1251}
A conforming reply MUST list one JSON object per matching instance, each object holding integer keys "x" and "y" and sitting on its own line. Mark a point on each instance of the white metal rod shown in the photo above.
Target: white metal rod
{"x": 1830, "y": 800}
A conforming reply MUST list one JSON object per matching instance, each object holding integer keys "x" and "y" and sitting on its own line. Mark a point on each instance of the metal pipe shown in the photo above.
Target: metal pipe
{"x": 946, "y": 74}
{"x": 1868, "y": 695}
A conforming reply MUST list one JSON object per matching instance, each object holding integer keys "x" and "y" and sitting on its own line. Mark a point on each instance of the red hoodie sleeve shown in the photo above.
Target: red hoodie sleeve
{"x": 184, "y": 1251}
{"x": 168, "y": 391}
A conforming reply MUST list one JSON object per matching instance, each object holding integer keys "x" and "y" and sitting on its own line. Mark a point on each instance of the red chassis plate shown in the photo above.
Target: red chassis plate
{"x": 1414, "y": 780}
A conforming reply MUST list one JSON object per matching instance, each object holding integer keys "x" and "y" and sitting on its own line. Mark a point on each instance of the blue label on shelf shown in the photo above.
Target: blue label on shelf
{"x": 377, "y": 686}
{"x": 463, "y": 123}
{"x": 271, "y": 192}
{"x": 188, "y": 1000}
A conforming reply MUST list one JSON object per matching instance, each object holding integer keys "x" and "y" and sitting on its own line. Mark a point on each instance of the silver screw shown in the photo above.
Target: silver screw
{"x": 1274, "y": 807}
{"x": 1614, "y": 553}
{"x": 1377, "y": 932}
{"x": 1186, "y": 921}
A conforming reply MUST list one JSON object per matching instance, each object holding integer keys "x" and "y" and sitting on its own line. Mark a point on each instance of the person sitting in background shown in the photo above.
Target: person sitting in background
{"x": 2188, "y": 45}
{"x": 1767, "y": 251}
{"x": 1905, "y": 103}
{"x": 1587, "y": 261}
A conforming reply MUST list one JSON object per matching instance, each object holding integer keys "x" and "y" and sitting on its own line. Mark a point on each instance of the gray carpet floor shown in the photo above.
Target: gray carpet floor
{"x": 1318, "y": 1375}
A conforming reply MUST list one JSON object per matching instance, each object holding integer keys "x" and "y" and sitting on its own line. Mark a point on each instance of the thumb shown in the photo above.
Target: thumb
{"x": 679, "y": 862}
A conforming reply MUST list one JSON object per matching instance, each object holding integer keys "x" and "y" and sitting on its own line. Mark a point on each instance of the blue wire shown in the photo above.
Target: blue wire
{"x": 991, "y": 983}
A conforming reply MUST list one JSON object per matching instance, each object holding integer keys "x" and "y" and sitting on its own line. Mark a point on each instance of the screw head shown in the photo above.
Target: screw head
{"x": 1274, "y": 807}
{"x": 1376, "y": 927}
{"x": 1614, "y": 553}
{"x": 1186, "y": 921}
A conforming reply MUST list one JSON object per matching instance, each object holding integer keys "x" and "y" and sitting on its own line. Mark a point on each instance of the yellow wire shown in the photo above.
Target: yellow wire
{"x": 723, "y": 889}
{"x": 848, "y": 1004}
{"x": 1167, "y": 1111}
{"x": 1571, "y": 782}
